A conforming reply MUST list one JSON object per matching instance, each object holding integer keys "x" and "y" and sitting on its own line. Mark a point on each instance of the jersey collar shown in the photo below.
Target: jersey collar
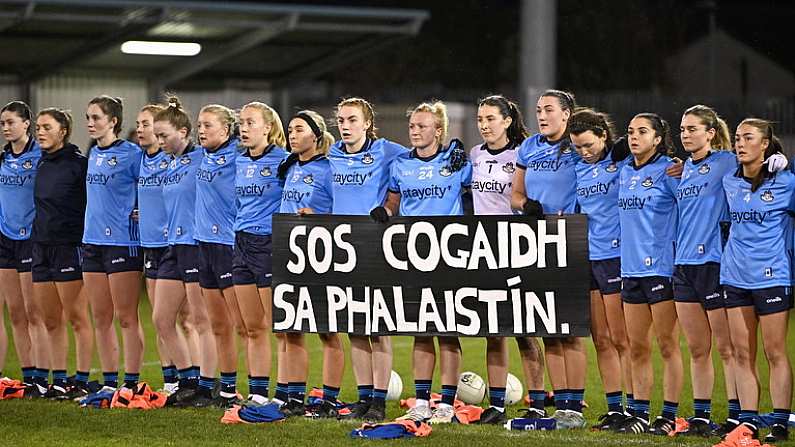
{"x": 653, "y": 158}
{"x": 115, "y": 143}
{"x": 413, "y": 154}
{"x": 28, "y": 146}
{"x": 267, "y": 150}
{"x": 367, "y": 145}
{"x": 316, "y": 157}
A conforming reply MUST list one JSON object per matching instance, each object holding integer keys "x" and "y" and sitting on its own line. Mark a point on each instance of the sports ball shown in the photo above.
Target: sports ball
{"x": 471, "y": 388}
{"x": 513, "y": 390}
{"x": 395, "y": 387}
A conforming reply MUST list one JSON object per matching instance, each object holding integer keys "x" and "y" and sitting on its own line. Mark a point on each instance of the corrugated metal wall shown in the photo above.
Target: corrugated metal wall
{"x": 74, "y": 92}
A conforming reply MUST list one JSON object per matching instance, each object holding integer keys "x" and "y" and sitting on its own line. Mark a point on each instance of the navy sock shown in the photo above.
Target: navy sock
{"x": 259, "y": 385}
{"x": 422, "y": 388}
{"x": 365, "y": 392}
{"x": 575, "y": 400}
{"x": 497, "y": 397}
{"x": 702, "y": 408}
{"x": 537, "y": 399}
{"x": 734, "y": 409}
{"x": 59, "y": 378}
{"x": 297, "y": 390}
{"x": 110, "y": 378}
{"x": 282, "y": 392}
{"x": 81, "y": 378}
{"x": 641, "y": 409}
{"x": 631, "y": 404}
{"x": 195, "y": 371}
{"x": 561, "y": 399}
{"x": 187, "y": 374}
{"x": 749, "y": 417}
{"x": 781, "y": 416}
{"x": 41, "y": 376}
{"x": 169, "y": 374}
{"x": 669, "y": 410}
{"x": 448, "y": 394}
{"x": 379, "y": 396}
{"x": 330, "y": 393}
{"x": 28, "y": 374}
{"x": 131, "y": 380}
{"x": 614, "y": 402}
{"x": 229, "y": 382}
{"x": 206, "y": 385}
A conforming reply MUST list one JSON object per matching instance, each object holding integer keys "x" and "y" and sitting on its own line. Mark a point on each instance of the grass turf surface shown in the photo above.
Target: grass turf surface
{"x": 24, "y": 422}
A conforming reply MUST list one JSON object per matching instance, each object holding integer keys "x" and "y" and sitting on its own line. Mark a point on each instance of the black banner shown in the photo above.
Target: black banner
{"x": 466, "y": 276}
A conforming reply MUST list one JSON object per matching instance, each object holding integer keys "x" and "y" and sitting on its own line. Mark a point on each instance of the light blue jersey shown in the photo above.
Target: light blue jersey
{"x": 215, "y": 195}
{"x": 111, "y": 192}
{"x": 597, "y": 196}
{"x": 152, "y": 216}
{"x": 427, "y": 186}
{"x": 549, "y": 175}
{"x": 702, "y": 207}
{"x": 17, "y": 178}
{"x": 258, "y": 190}
{"x": 756, "y": 255}
{"x": 179, "y": 195}
{"x": 647, "y": 212}
{"x": 360, "y": 180}
{"x": 308, "y": 185}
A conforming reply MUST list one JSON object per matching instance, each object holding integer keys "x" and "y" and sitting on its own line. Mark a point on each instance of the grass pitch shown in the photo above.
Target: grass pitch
{"x": 37, "y": 423}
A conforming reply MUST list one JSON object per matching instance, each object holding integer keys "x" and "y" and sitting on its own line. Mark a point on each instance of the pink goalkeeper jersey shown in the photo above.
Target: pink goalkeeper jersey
{"x": 492, "y": 176}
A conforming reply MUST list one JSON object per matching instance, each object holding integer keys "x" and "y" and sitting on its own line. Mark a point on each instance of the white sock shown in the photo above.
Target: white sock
{"x": 421, "y": 403}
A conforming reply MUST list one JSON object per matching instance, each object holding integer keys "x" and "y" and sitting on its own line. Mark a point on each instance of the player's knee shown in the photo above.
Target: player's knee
{"x": 602, "y": 343}
{"x": 700, "y": 351}
{"x": 128, "y": 321}
{"x": 640, "y": 351}
{"x": 669, "y": 349}
{"x": 776, "y": 355}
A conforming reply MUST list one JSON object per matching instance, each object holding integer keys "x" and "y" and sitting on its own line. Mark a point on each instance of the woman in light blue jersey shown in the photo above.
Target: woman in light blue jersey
{"x": 18, "y": 166}
{"x": 153, "y": 222}
{"x": 545, "y": 183}
{"x": 647, "y": 212}
{"x": 755, "y": 272}
{"x": 112, "y": 259}
{"x": 427, "y": 167}
{"x": 307, "y": 190}
{"x": 591, "y": 134}
{"x": 259, "y": 193}
{"x": 360, "y": 163}
{"x": 502, "y": 128}
{"x": 177, "y": 293}
{"x": 698, "y": 294}
{"x": 214, "y": 230}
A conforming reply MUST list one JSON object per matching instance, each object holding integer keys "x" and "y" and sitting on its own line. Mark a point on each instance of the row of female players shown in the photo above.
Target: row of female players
{"x": 204, "y": 217}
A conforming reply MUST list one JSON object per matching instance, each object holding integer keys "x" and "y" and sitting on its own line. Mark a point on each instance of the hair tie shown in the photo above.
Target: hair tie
{"x": 309, "y": 121}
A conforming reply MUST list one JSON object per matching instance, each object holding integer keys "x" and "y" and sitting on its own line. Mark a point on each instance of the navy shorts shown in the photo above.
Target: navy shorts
{"x": 253, "y": 259}
{"x": 112, "y": 259}
{"x": 646, "y": 290}
{"x": 606, "y": 276}
{"x": 215, "y": 265}
{"x": 180, "y": 263}
{"x": 765, "y": 301}
{"x": 57, "y": 263}
{"x": 16, "y": 254}
{"x": 699, "y": 284}
{"x": 152, "y": 259}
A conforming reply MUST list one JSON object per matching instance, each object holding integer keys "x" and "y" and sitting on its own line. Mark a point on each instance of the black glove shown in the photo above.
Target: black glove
{"x": 379, "y": 214}
{"x": 620, "y": 150}
{"x": 533, "y": 208}
{"x": 285, "y": 165}
{"x": 458, "y": 156}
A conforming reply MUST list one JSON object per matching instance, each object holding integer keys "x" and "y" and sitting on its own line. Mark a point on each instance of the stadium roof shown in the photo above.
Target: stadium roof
{"x": 279, "y": 43}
